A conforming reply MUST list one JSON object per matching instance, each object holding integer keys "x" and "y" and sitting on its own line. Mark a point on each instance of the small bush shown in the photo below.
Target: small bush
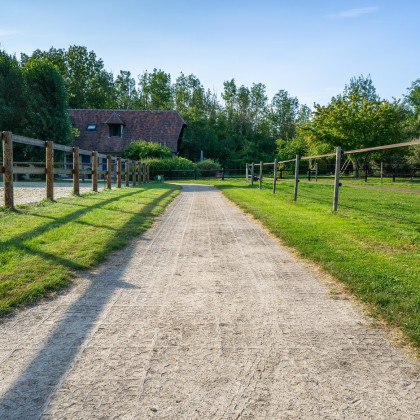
{"x": 180, "y": 166}
{"x": 209, "y": 167}
{"x": 140, "y": 150}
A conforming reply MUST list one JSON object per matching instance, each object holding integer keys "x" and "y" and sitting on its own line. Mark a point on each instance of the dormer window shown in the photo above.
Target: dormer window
{"x": 91, "y": 127}
{"x": 115, "y": 130}
{"x": 115, "y": 124}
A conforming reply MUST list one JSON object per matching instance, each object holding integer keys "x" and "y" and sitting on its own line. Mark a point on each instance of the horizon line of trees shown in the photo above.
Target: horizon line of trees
{"x": 242, "y": 125}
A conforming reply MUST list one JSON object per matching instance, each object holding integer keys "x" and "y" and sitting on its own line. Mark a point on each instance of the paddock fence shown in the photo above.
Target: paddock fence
{"x": 67, "y": 163}
{"x": 335, "y": 170}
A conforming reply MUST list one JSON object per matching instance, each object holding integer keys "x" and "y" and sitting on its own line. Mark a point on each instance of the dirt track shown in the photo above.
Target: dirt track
{"x": 32, "y": 192}
{"x": 203, "y": 317}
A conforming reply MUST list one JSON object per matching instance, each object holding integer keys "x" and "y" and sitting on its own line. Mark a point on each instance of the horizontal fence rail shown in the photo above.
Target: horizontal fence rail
{"x": 105, "y": 166}
{"x": 335, "y": 170}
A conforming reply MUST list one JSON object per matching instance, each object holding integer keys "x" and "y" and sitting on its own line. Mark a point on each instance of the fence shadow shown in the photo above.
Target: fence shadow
{"x": 29, "y": 395}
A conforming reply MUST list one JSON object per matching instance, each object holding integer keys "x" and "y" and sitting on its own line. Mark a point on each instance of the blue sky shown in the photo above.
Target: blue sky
{"x": 309, "y": 48}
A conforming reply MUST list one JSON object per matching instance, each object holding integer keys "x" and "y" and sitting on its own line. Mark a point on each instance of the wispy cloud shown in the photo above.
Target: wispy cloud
{"x": 353, "y": 13}
{"x": 7, "y": 33}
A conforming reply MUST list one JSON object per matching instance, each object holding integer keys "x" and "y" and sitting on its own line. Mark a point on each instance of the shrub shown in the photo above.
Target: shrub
{"x": 141, "y": 149}
{"x": 180, "y": 166}
{"x": 209, "y": 167}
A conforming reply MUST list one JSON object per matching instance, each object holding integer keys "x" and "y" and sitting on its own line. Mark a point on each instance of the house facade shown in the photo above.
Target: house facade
{"x": 111, "y": 131}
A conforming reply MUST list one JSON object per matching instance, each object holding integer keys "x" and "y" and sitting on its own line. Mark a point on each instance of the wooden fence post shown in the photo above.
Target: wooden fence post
{"x": 133, "y": 172}
{"x": 140, "y": 175}
{"x": 316, "y": 171}
{"x": 337, "y": 177}
{"x": 108, "y": 171}
{"x": 261, "y": 169}
{"x": 119, "y": 168}
{"x": 382, "y": 172}
{"x": 127, "y": 172}
{"x": 49, "y": 169}
{"x": 296, "y": 177}
{"x": 76, "y": 186}
{"x": 144, "y": 172}
{"x": 252, "y": 174}
{"x": 95, "y": 171}
{"x": 246, "y": 173}
{"x": 7, "y": 138}
{"x": 275, "y": 176}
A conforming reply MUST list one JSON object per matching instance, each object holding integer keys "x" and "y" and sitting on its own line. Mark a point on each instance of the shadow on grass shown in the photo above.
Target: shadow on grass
{"x": 31, "y": 392}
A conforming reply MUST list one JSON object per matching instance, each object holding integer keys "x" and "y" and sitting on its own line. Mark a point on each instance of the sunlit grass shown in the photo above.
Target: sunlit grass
{"x": 41, "y": 245}
{"x": 372, "y": 244}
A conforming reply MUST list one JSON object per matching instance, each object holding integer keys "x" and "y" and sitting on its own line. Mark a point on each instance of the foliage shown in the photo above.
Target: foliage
{"x": 47, "y": 102}
{"x": 412, "y": 100}
{"x": 372, "y": 247}
{"x": 209, "y": 167}
{"x": 243, "y": 126}
{"x": 155, "y": 90}
{"x": 140, "y": 150}
{"x": 33, "y": 103}
{"x": 89, "y": 84}
{"x": 13, "y": 95}
{"x": 171, "y": 164}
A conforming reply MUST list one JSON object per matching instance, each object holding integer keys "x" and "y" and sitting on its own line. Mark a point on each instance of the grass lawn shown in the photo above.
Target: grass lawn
{"x": 42, "y": 244}
{"x": 372, "y": 244}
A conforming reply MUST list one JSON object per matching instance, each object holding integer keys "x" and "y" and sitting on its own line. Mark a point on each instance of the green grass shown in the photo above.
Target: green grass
{"x": 371, "y": 244}
{"x": 43, "y": 244}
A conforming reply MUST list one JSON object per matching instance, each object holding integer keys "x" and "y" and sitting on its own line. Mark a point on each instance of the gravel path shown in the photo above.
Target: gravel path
{"x": 203, "y": 317}
{"x": 32, "y": 192}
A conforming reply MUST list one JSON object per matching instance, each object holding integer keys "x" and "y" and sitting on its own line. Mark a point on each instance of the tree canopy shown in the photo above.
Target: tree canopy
{"x": 241, "y": 125}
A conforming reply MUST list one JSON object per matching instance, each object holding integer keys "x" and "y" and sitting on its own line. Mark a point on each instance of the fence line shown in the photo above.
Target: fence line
{"x": 337, "y": 168}
{"x": 113, "y": 165}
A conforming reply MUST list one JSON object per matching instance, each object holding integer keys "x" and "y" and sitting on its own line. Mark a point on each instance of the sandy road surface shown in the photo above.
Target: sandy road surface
{"x": 31, "y": 192}
{"x": 203, "y": 317}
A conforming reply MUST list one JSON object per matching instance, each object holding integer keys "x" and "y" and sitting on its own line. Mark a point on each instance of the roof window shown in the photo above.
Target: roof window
{"x": 115, "y": 130}
{"x": 91, "y": 127}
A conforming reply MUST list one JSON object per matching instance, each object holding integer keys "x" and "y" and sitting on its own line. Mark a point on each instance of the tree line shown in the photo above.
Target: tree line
{"x": 242, "y": 125}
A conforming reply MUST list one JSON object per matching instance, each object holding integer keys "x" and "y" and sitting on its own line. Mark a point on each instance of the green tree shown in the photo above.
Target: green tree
{"x": 47, "y": 103}
{"x": 125, "y": 91}
{"x": 88, "y": 83}
{"x": 412, "y": 102}
{"x": 13, "y": 95}
{"x": 283, "y": 115}
{"x": 354, "y": 120}
{"x": 155, "y": 90}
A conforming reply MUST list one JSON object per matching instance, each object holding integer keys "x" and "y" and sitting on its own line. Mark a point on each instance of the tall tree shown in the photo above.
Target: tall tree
{"x": 47, "y": 103}
{"x": 283, "y": 114}
{"x": 125, "y": 91}
{"x": 356, "y": 119}
{"x": 155, "y": 90}
{"x": 13, "y": 95}
{"x": 88, "y": 83}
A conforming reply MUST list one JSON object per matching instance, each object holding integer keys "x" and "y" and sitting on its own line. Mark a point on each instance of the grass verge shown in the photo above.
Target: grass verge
{"x": 43, "y": 244}
{"x": 371, "y": 244}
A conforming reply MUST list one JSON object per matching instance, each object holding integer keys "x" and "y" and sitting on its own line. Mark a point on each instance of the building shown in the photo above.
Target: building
{"x": 111, "y": 131}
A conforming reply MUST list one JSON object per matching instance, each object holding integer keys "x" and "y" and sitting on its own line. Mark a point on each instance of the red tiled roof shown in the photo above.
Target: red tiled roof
{"x": 114, "y": 119}
{"x": 164, "y": 127}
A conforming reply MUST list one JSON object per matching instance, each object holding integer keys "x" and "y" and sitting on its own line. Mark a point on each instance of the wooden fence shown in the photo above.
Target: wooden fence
{"x": 122, "y": 170}
{"x": 250, "y": 168}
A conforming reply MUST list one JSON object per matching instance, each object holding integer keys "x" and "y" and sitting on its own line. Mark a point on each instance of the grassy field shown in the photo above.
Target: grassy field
{"x": 43, "y": 244}
{"x": 372, "y": 244}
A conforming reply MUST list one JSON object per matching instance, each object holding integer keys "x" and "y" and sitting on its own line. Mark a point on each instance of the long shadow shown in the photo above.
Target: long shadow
{"x": 39, "y": 230}
{"x": 28, "y": 396}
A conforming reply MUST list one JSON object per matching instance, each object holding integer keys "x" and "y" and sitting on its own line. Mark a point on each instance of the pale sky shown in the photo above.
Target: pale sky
{"x": 309, "y": 48}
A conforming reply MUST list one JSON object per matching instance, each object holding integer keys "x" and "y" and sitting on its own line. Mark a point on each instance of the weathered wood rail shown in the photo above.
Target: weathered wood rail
{"x": 109, "y": 166}
{"x": 337, "y": 155}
